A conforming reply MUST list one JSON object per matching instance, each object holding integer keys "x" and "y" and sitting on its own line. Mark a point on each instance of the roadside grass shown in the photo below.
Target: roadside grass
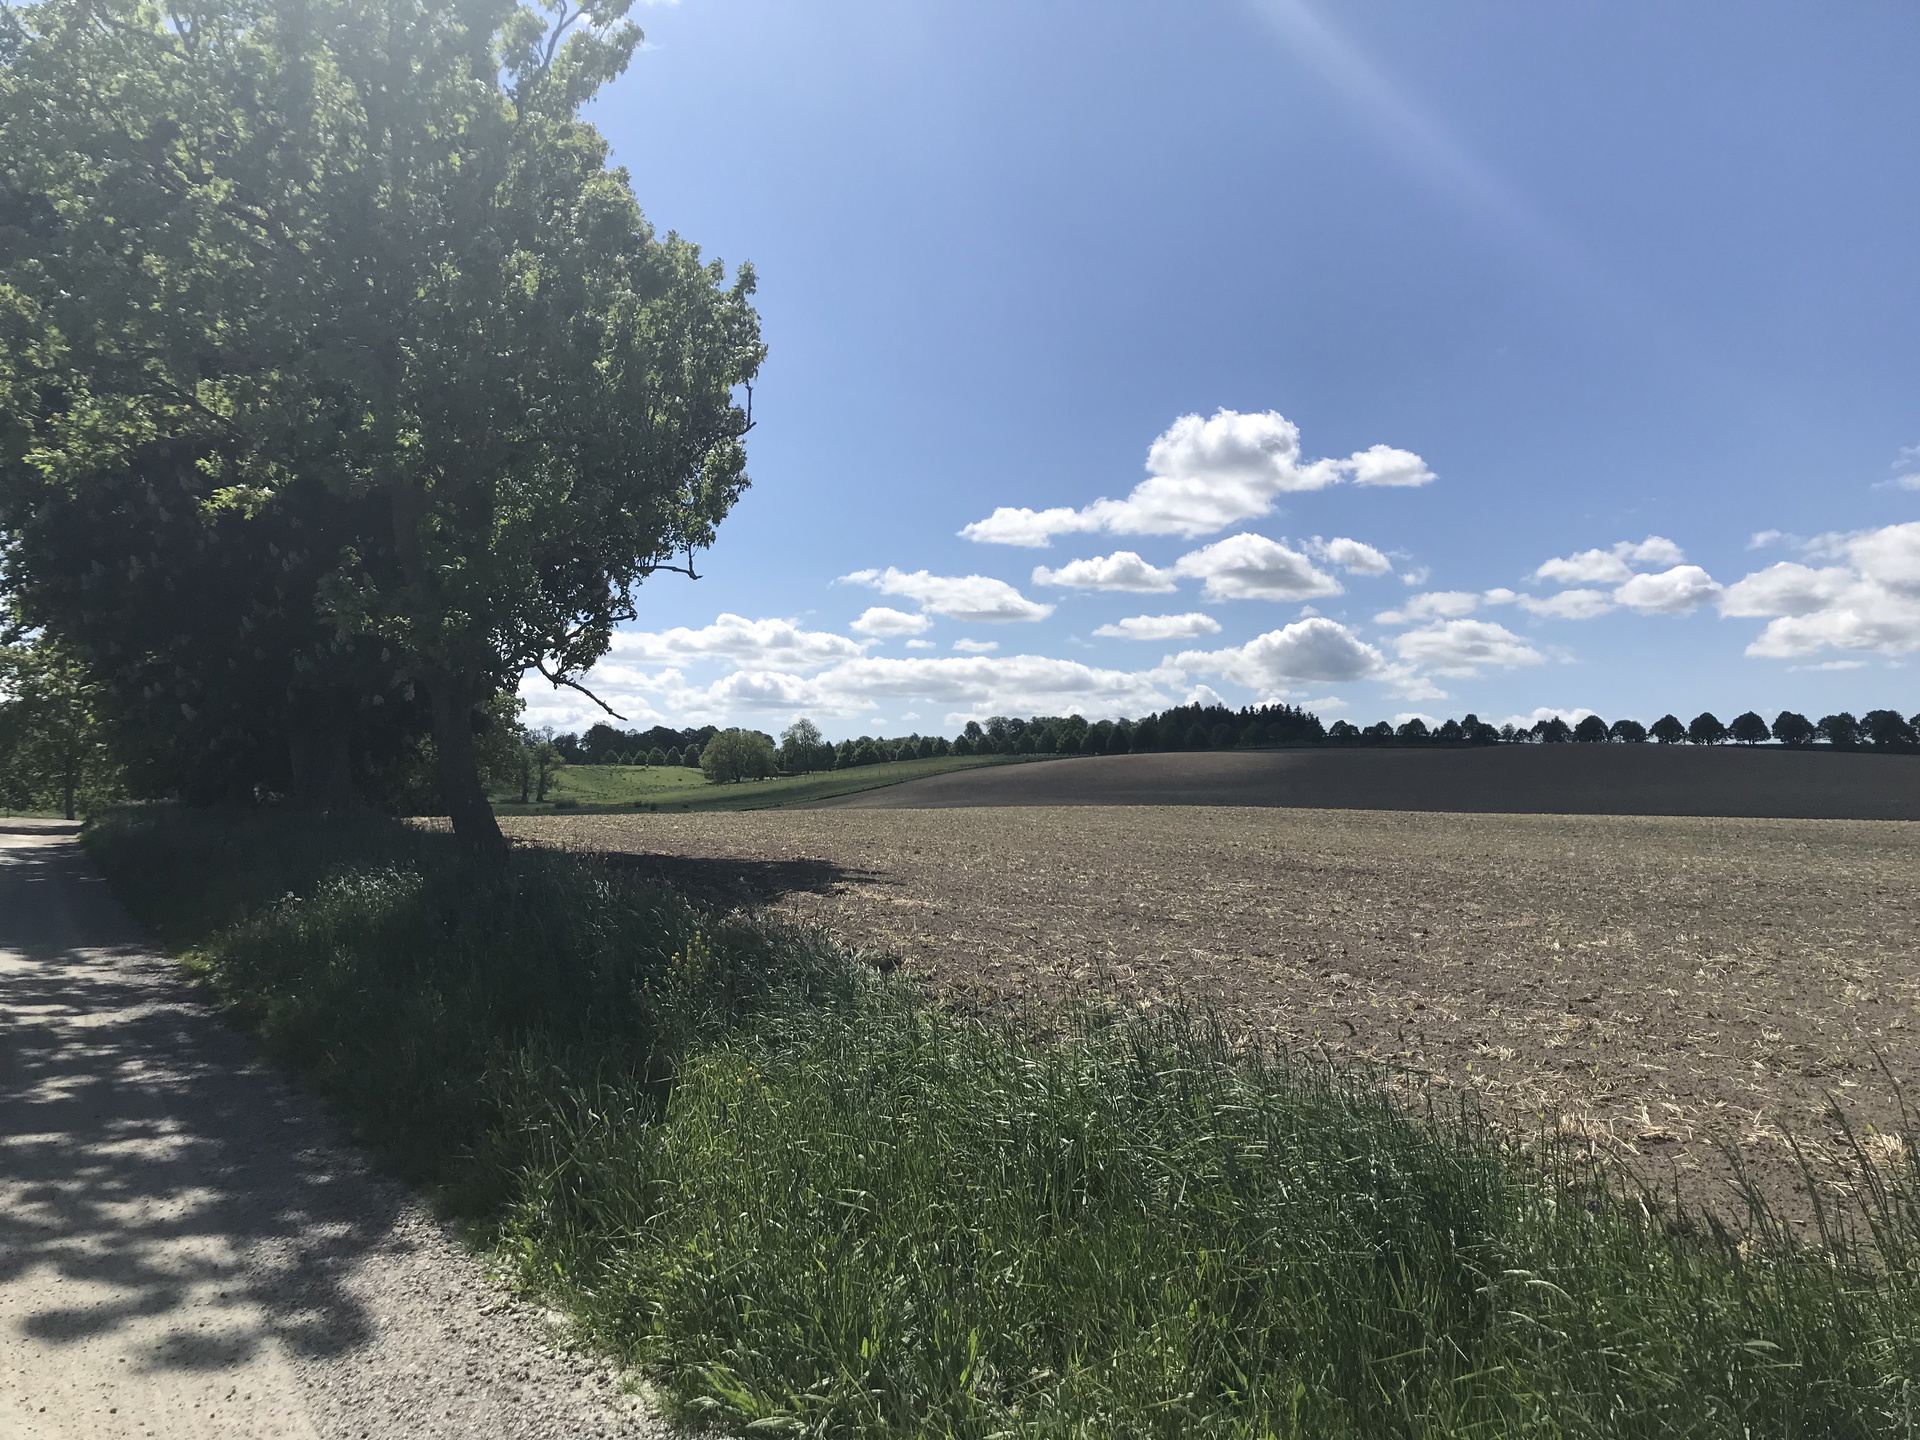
{"x": 586, "y": 789}
{"x": 809, "y": 1203}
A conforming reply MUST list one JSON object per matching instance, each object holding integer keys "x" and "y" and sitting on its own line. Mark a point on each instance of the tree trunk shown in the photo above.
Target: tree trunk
{"x": 458, "y": 764}
{"x": 68, "y": 785}
{"x": 322, "y": 764}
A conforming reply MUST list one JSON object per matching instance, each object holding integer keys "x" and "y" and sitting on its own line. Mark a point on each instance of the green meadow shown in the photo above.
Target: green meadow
{"x": 609, "y": 788}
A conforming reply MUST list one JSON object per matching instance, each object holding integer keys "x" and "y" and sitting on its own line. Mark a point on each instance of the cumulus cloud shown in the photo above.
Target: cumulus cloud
{"x": 1161, "y": 627}
{"x": 1569, "y": 604}
{"x": 1613, "y": 566}
{"x": 976, "y": 599}
{"x": 989, "y": 685}
{"x": 1352, "y": 556}
{"x": 1252, "y": 567}
{"x": 1204, "y": 475}
{"x": 1670, "y": 592}
{"x": 1122, "y": 570}
{"x": 1203, "y": 695}
{"x": 774, "y": 644}
{"x": 883, "y": 621}
{"x": 1434, "y": 604}
{"x": 1589, "y": 567}
{"x": 1315, "y": 649}
{"x": 1869, "y": 602}
{"x": 920, "y": 645}
{"x": 970, "y": 686}
{"x": 1787, "y": 589}
{"x": 1463, "y": 647}
{"x": 976, "y": 647}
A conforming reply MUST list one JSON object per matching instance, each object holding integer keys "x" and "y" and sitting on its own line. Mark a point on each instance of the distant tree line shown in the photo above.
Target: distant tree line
{"x": 1885, "y": 730}
{"x": 730, "y": 755}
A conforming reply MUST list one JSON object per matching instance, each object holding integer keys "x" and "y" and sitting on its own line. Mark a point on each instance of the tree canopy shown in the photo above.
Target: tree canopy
{"x": 360, "y": 262}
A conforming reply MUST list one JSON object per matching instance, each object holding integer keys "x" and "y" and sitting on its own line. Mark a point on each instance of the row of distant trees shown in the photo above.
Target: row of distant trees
{"x": 1877, "y": 729}
{"x": 728, "y": 755}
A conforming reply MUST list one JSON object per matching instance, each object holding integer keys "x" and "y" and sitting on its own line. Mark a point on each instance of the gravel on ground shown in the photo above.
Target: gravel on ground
{"x": 189, "y": 1250}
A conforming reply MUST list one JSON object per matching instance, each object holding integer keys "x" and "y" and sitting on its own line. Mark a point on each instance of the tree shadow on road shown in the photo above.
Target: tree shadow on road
{"x": 149, "y": 1166}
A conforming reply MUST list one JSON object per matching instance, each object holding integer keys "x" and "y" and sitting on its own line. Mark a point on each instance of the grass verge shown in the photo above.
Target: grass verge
{"x": 589, "y": 789}
{"x": 810, "y": 1204}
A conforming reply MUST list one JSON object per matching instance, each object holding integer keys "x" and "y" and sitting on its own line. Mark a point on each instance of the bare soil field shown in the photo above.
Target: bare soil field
{"x": 1652, "y": 985}
{"x": 1504, "y": 779}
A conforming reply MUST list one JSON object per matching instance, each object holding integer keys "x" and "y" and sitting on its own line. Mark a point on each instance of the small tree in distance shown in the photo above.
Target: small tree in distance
{"x": 801, "y": 747}
{"x": 735, "y": 755}
{"x": 1748, "y": 729}
{"x": 1887, "y": 730}
{"x": 1790, "y": 728}
{"x": 1628, "y": 732}
{"x": 1842, "y": 731}
{"x": 1668, "y": 730}
{"x": 1591, "y": 730}
{"x": 1706, "y": 729}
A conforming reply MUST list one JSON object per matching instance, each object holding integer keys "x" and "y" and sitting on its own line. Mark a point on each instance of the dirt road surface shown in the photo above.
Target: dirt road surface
{"x": 1730, "y": 781}
{"x": 188, "y": 1251}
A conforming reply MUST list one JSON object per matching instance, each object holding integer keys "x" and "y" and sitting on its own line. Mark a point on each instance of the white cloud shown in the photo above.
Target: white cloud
{"x": 776, "y": 644}
{"x": 1434, "y": 604}
{"x": 976, "y": 647}
{"x": 1569, "y": 604}
{"x": 1252, "y": 567}
{"x": 1409, "y": 683}
{"x": 1203, "y": 695}
{"x": 990, "y": 685}
{"x": 1870, "y": 602}
{"x": 973, "y": 686}
{"x": 1610, "y": 567}
{"x": 1654, "y": 550}
{"x": 1589, "y": 567}
{"x": 1035, "y": 529}
{"x": 1204, "y": 475}
{"x": 1671, "y": 592}
{"x": 1161, "y": 627}
{"x": 880, "y": 620}
{"x": 1462, "y": 647}
{"x": 976, "y": 599}
{"x": 1316, "y": 649}
{"x": 1405, "y": 715}
{"x": 1352, "y": 556}
{"x": 920, "y": 645}
{"x": 1122, "y": 570}
{"x": 1787, "y": 589}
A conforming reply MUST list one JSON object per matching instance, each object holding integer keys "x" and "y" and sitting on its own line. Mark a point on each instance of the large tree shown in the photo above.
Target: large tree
{"x": 369, "y": 246}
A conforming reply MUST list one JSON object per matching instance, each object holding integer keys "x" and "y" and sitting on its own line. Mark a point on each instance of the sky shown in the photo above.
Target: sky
{"x": 1383, "y": 359}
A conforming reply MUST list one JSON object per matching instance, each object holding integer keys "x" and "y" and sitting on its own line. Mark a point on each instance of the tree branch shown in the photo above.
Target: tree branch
{"x": 559, "y": 680}
{"x": 686, "y": 569}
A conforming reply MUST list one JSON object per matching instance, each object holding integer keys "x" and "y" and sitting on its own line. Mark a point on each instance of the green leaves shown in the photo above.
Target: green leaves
{"x": 364, "y": 253}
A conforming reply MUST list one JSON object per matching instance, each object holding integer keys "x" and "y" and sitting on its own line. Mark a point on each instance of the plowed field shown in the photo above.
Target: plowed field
{"x": 1661, "y": 983}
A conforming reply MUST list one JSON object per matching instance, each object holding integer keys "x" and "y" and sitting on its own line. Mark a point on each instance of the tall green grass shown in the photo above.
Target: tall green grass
{"x": 811, "y": 1204}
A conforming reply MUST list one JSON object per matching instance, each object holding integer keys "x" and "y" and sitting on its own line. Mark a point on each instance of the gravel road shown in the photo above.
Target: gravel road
{"x": 187, "y": 1248}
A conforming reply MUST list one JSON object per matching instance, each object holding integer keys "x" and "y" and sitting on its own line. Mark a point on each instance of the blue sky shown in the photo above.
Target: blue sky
{"x": 1387, "y": 307}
